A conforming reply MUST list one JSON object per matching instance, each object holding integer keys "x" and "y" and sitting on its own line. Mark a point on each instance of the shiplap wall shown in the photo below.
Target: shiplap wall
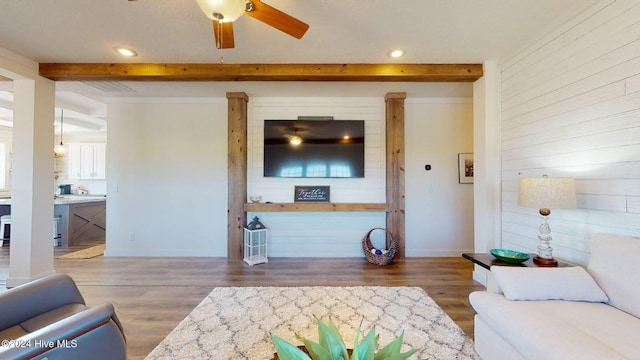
{"x": 571, "y": 108}
{"x": 319, "y": 234}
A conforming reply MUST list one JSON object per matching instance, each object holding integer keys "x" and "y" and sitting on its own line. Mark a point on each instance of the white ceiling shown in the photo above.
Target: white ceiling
{"x": 341, "y": 31}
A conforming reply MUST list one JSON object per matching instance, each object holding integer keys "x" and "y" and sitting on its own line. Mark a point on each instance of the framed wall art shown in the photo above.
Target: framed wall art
{"x": 465, "y": 168}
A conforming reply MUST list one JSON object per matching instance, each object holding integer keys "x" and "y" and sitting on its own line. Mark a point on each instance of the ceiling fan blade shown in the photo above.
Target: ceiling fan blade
{"x": 223, "y": 32}
{"x": 276, "y": 18}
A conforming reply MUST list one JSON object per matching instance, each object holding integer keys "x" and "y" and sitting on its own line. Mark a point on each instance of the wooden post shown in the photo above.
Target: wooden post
{"x": 395, "y": 168}
{"x": 237, "y": 172}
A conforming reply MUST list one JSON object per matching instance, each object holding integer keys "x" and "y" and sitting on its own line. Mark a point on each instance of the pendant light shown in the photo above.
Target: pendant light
{"x": 59, "y": 150}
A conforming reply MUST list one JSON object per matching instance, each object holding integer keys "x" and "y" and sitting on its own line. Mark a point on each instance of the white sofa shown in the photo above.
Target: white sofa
{"x": 564, "y": 313}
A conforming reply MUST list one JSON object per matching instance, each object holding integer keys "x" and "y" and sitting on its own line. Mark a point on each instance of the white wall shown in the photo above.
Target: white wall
{"x": 167, "y": 177}
{"x": 487, "y": 177}
{"x": 439, "y": 210}
{"x": 571, "y": 107}
{"x": 370, "y": 189}
{"x": 319, "y": 234}
{"x": 168, "y": 160}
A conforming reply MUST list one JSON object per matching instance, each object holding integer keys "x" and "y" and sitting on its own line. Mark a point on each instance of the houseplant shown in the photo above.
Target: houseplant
{"x": 330, "y": 346}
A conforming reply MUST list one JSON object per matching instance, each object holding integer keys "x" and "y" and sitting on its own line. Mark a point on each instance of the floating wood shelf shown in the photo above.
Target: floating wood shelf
{"x": 315, "y": 207}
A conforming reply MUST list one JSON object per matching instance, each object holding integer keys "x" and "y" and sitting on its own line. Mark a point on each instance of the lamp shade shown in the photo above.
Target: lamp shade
{"x": 59, "y": 150}
{"x": 222, "y": 10}
{"x": 546, "y": 192}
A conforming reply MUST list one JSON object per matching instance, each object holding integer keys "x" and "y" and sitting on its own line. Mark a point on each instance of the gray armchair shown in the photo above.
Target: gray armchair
{"x": 48, "y": 318}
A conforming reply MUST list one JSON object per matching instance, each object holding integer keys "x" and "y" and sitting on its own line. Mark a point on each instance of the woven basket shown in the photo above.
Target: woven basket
{"x": 382, "y": 259}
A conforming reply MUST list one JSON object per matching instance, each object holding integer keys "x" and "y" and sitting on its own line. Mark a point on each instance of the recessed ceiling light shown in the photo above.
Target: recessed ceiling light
{"x": 396, "y": 53}
{"x": 125, "y": 51}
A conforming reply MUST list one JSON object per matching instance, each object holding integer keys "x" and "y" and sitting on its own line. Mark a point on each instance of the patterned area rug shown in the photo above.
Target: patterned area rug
{"x": 87, "y": 253}
{"x": 234, "y": 323}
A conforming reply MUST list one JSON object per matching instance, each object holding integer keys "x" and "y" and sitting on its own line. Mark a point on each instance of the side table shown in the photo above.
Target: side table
{"x": 486, "y": 260}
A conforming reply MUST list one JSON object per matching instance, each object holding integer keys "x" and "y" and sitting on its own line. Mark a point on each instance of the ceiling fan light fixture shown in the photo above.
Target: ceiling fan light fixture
{"x": 295, "y": 140}
{"x": 222, "y": 10}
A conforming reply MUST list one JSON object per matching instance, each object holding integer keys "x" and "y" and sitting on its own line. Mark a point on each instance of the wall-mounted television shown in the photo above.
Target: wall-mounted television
{"x": 326, "y": 148}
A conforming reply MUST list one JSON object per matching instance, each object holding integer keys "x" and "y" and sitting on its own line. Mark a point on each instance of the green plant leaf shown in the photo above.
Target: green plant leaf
{"x": 331, "y": 346}
{"x": 367, "y": 348}
{"x": 286, "y": 350}
{"x": 330, "y": 339}
{"x": 355, "y": 355}
{"x": 316, "y": 351}
{"x": 406, "y": 355}
{"x": 391, "y": 350}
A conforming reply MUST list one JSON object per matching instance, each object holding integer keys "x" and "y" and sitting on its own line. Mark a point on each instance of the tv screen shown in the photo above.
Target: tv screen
{"x": 314, "y": 148}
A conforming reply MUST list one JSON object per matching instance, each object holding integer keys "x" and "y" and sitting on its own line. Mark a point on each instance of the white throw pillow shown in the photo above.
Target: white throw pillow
{"x": 547, "y": 283}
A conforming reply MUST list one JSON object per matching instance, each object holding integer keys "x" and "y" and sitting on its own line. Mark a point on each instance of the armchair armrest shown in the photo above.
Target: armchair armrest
{"x": 29, "y": 300}
{"x": 94, "y": 333}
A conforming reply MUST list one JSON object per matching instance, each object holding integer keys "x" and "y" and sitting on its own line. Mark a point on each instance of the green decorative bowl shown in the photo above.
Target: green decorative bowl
{"x": 509, "y": 256}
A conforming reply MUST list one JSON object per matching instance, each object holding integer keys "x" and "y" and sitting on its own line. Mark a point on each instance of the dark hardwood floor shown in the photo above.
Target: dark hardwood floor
{"x": 152, "y": 295}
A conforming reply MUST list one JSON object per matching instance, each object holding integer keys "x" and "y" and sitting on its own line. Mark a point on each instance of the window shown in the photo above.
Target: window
{"x": 340, "y": 171}
{"x": 5, "y": 161}
{"x": 317, "y": 170}
{"x": 291, "y": 171}
{"x": 3, "y": 166}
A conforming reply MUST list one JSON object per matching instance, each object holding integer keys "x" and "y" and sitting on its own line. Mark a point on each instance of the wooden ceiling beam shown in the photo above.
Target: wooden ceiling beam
{"x": 262, "y": 72}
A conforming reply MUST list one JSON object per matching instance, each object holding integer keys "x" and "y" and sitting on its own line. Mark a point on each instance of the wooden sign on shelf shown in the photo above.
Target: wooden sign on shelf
{"x": 311, "y": 193}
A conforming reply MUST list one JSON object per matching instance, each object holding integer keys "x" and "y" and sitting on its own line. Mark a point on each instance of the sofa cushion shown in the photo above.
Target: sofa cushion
{"x": 12, "y": 333}
{"x": 50, "y": 317}
{"x": 615, "y": 267}
{"x": 568, "y": 283}
{"x": 558, "y": 329}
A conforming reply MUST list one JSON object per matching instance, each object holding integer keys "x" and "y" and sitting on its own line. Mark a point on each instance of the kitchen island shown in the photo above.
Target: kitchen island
{"x": 83, "y": 217}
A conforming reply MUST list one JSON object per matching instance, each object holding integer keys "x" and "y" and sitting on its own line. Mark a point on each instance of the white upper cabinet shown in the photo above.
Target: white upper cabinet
{"x": 87, "y": 161}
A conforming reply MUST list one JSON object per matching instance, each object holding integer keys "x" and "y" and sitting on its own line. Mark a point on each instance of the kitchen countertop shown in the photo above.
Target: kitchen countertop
{"x": 82, "y": 217}
{"x": 67, "y": 199}
{"x": 76, "y": 199}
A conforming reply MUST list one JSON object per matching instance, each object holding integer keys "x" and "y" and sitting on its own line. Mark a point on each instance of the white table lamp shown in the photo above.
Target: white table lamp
{"x": 546, "y": 193}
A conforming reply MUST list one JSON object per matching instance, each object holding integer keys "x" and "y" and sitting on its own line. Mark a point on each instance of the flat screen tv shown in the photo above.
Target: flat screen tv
{"x": 324, "y": 148}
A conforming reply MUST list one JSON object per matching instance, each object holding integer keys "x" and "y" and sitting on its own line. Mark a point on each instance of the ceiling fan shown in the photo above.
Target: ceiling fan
{"x": 224, "y": 12}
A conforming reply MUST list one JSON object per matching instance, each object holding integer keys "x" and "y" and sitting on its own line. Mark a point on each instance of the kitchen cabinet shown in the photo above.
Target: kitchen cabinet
{"x": 87, "y": 161}
{"x": 82, "y": 218}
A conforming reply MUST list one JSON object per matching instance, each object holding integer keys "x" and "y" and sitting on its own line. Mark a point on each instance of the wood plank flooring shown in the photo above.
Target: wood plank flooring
{"x": 152, "y": 295}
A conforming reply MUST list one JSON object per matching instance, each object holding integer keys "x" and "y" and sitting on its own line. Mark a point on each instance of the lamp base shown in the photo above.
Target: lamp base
{"x": 542, "y": 262}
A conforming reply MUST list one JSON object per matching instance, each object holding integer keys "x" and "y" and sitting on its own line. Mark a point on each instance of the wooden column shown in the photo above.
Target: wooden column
{"x": 237, "y": 172}
{"x": 395, "y": 168}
